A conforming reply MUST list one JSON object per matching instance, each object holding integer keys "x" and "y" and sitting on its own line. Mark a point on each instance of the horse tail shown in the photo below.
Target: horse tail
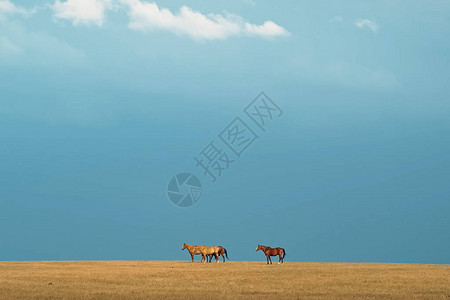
{"x": 225, "y": 250}
{"x": 284, "y": 253}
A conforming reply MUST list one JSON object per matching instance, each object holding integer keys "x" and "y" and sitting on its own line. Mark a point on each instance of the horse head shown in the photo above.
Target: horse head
{"x": 259, "y": 248}
{"x": 184, "y": 246}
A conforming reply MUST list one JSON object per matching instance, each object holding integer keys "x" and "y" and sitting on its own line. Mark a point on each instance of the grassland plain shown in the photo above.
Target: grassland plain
{"x": 186, "y": 280}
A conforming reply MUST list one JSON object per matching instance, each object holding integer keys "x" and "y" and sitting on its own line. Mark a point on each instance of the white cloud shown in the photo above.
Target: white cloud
{"x": 336, "y": 19}
{"x": 352, "y": 74}
{"x": 10, "y": 8}
{"x": 84, "y": 12}
{"x": 268, "y": 29}
{"x": 21, "y": 46}
{"x": 361, "y": 23}
{"x": 250, "y": 2}
{"x": 8, "y": 48}
{"x": 315, "y": 67}
{"x": 148, "y": 16}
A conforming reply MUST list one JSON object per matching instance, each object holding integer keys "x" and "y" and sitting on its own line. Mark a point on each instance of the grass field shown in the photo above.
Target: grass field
{"x": 182, "y": 279}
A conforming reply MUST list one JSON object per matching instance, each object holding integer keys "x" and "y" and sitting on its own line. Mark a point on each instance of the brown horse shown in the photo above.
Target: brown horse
{"x": 193, "y": 250}
{"x": 272, "y": 252}
{"x": 205, "y": 251}
{"x": 221, "y": 252}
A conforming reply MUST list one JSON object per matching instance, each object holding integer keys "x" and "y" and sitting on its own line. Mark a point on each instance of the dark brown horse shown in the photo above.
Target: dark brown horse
{"x": 272, "y": 252}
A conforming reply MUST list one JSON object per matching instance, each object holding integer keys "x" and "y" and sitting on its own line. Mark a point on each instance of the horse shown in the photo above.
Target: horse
{"x": 193, "y": 250}
{"x": 272, "y": 252}
{"x": 221, "y": 252}
{"x": 205, "y": 251}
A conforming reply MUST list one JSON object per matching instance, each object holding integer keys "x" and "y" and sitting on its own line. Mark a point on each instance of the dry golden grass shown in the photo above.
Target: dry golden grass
{"x": 182, "y": 279}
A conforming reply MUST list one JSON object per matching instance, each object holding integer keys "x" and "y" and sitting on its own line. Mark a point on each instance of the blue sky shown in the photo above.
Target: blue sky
{"x": 102, "y": 102}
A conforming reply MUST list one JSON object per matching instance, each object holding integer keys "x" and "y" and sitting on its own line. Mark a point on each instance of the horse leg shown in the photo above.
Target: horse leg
{"x": 267, "y": 257}
{"x": 270, "y": 260}
{"x": 192, "y": 256}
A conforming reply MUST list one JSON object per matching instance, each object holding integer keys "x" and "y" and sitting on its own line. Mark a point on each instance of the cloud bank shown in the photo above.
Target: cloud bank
{"x": 19, "y": 45}
{"x": 8, "y": 8}
{"x": 361, "y": 23}
{"x": 84, "y": 12}
{"x": 336, "y": 19}
{"x": 148, "y": 16}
